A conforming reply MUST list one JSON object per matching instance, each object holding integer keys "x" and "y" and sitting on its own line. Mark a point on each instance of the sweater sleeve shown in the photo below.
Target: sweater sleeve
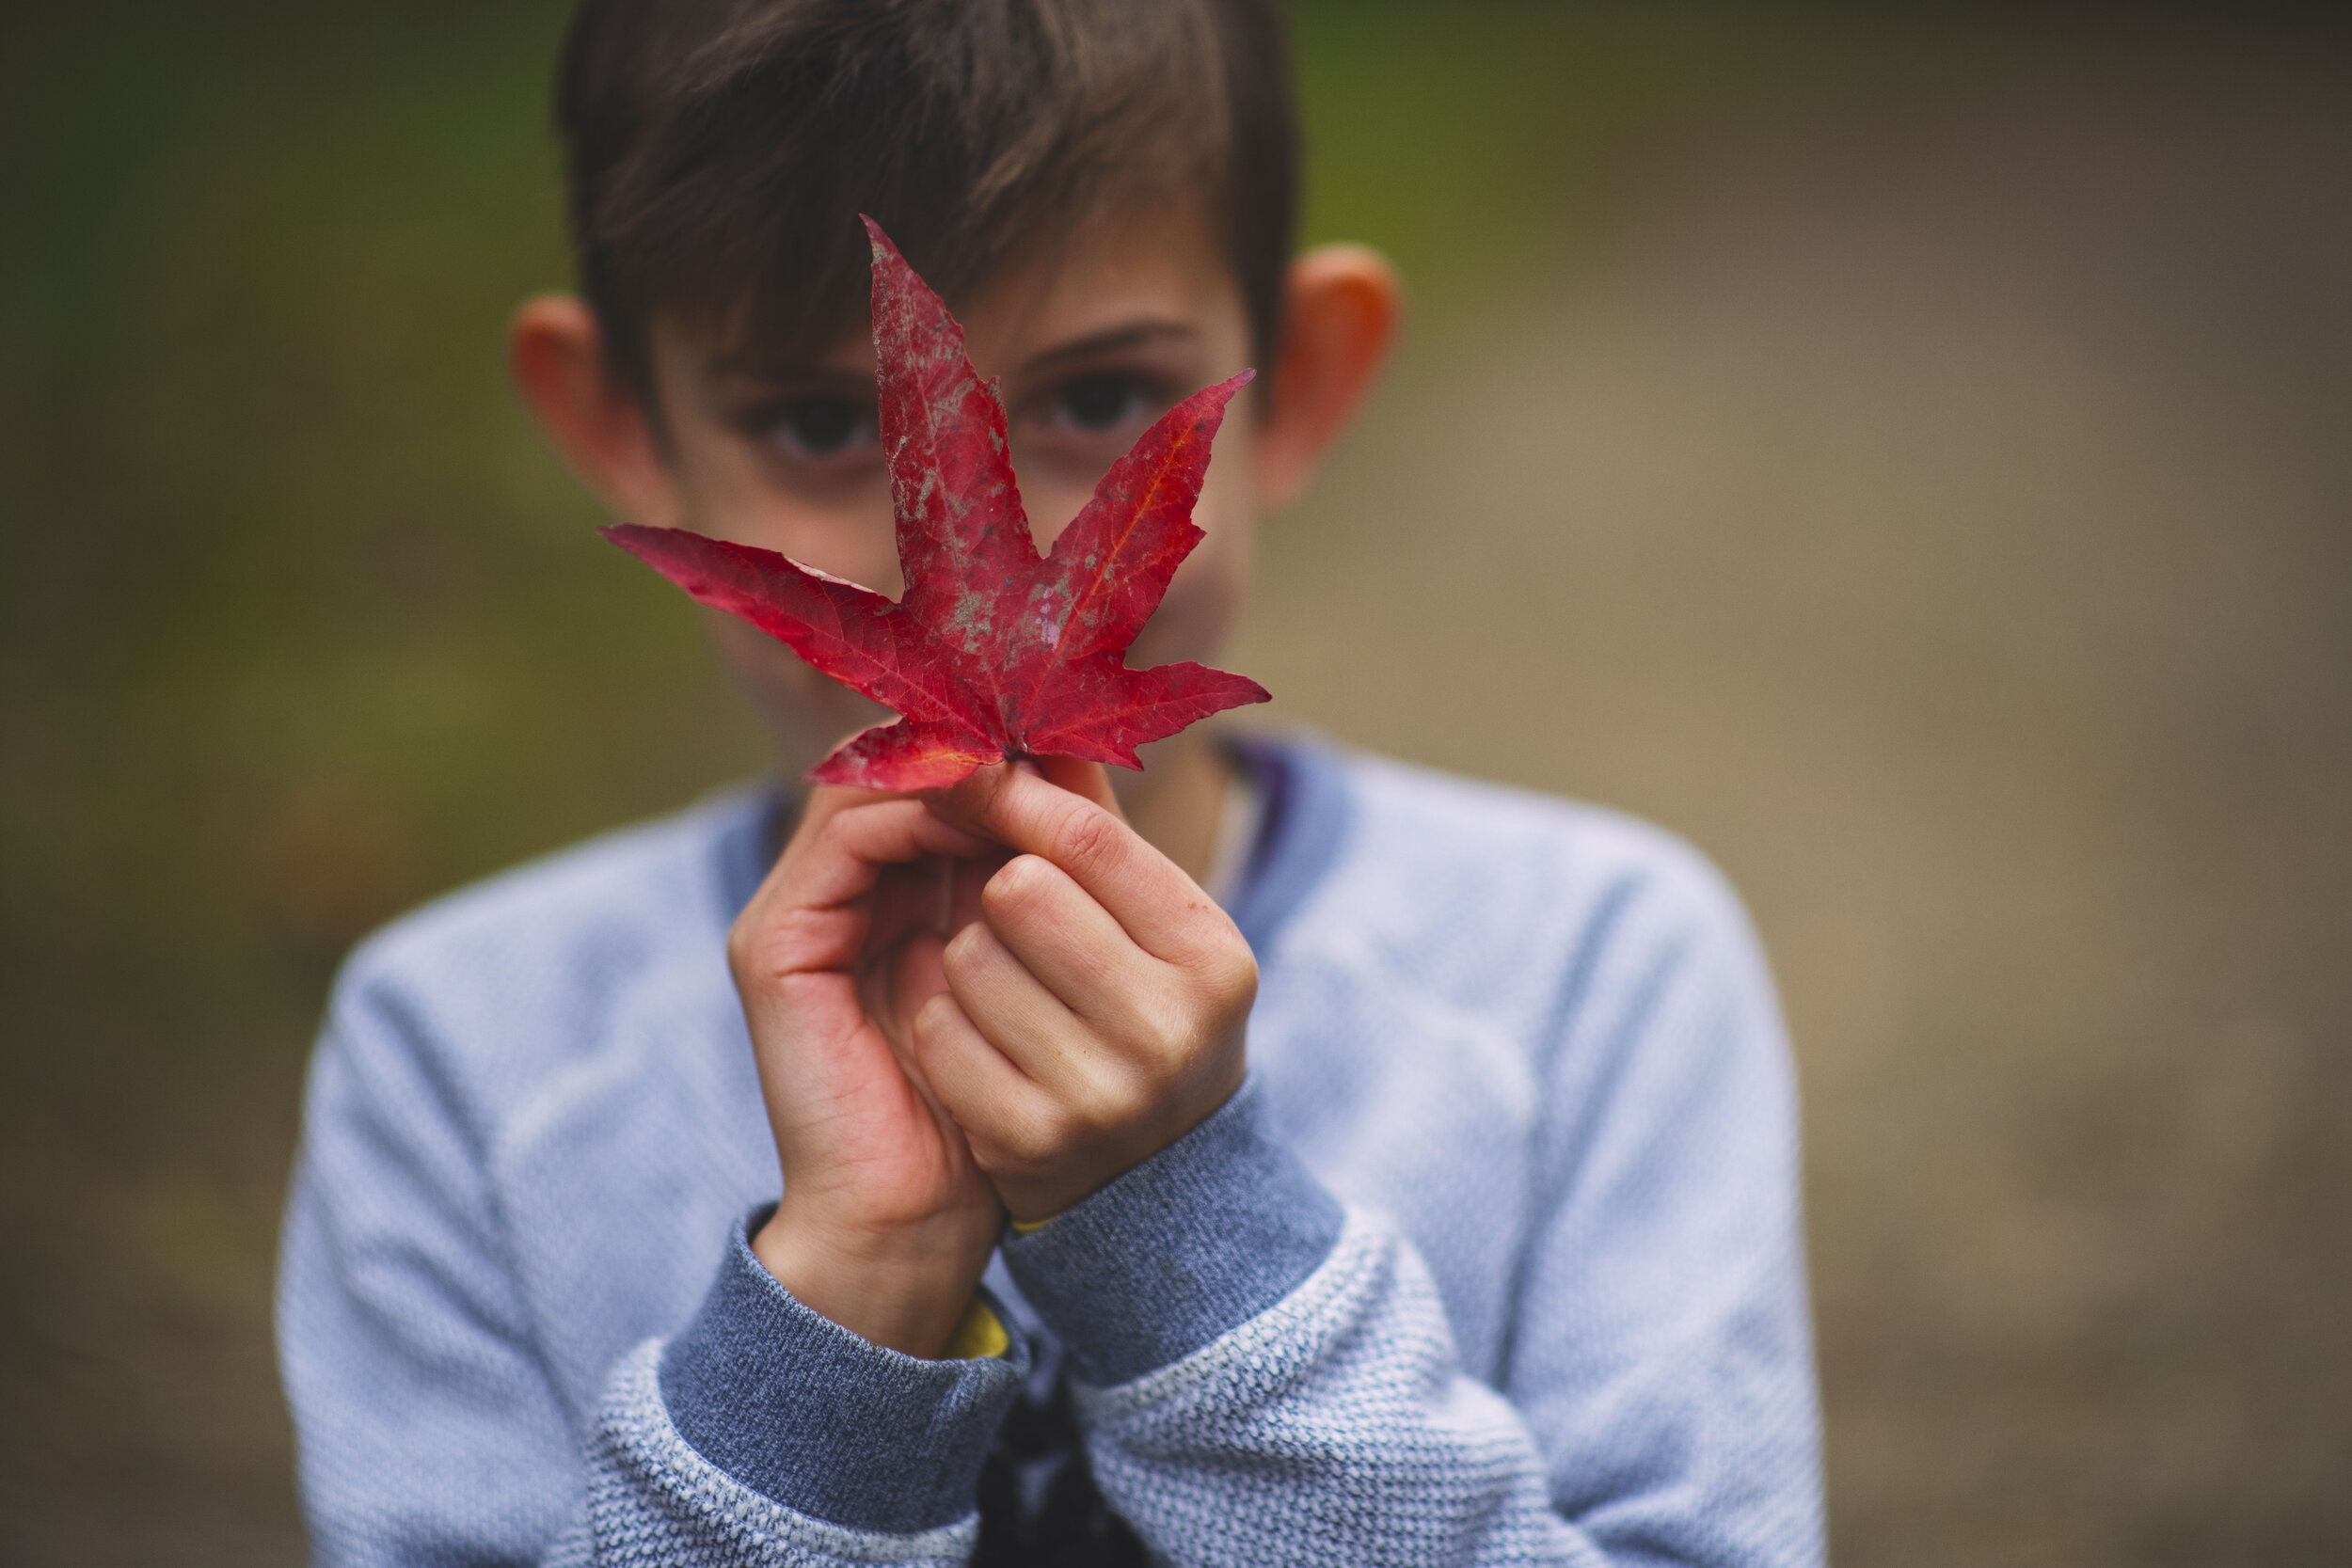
{"x": 1268, "y": 1377}
{"x": 429, "y": 1430}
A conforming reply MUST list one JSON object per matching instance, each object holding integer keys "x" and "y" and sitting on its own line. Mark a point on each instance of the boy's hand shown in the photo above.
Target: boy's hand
{"x": 886, "y": 1222}
{"x": 1097, "y": 1011}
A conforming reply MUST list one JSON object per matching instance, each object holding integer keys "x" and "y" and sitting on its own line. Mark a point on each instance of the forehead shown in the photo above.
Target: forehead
{"x": 1109, "y": 272}
{"x": 1114, "y": 273}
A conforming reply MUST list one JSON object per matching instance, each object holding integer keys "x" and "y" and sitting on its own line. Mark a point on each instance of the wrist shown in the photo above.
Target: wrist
{"x": 905, "y": 1288}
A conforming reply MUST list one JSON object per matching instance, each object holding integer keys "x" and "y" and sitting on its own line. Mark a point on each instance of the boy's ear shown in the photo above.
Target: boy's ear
{"x": 1344, "y": 306}
{"x": 556, "y": 352}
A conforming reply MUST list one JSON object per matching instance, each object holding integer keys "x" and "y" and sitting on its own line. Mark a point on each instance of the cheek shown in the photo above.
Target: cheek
{"x": 806, "y": 713}
{"x": 726, "y": 492}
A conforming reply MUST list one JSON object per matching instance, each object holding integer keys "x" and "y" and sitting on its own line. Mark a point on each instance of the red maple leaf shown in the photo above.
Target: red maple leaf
{"x": 994, "y": 651}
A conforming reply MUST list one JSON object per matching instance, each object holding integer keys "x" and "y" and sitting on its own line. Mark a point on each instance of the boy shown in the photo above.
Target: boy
{"x": 1278, "y": 1156}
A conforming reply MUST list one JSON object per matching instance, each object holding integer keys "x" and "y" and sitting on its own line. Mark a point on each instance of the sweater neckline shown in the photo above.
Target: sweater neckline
{"x": 1306, "y": 815}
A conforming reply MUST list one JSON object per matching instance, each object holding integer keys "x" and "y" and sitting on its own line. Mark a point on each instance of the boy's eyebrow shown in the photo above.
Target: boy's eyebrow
{"x": 814, "y": 376}
{"x": 798, "y": 374}
{"x": 1109, "y": 341}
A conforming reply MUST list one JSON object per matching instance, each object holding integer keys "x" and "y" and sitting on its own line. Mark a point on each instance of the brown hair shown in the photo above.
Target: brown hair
{"x": 719, "y": 150}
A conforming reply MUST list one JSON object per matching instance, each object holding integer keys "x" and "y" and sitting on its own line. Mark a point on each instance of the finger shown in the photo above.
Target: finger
{"x": 1023, "y": 1020}
{"x": 999, "y": 1107}
{"x": 893, "y": 986}
{"x": 840, "y": 858}
{"x": 814, "y": 912}
{"x": 1072, "y": 945}
{"x": 823, "y": 802}
{"x": 1162, "y": 909}
{"x": 1081, "y": 777}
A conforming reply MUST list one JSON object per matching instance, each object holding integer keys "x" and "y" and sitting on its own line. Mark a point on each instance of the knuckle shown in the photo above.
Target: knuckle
{"x": 837, "y": 830}
{"x": 748, "y": 943}
{"x": 1086, "y": 839}
{"x": 1163, "y": 1032}
{"x": 1230, "y": 978}
{"x": 765, "y": 948}
{"x": 1220, "y": 972}
{"x": 1112, "y": 1101}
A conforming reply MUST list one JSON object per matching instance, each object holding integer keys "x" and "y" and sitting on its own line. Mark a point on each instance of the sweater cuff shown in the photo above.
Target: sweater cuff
{"x": 1188, "y": 1245}
{"x": 810, "y": 1416}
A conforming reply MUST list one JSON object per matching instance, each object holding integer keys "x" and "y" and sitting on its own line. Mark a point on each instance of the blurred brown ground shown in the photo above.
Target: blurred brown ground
{"x": 1936, "y": 504}
{"x": 1947, "y": 520}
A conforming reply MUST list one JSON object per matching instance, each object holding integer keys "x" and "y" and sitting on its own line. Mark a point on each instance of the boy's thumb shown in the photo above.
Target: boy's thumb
{"x": 998, "y": 802}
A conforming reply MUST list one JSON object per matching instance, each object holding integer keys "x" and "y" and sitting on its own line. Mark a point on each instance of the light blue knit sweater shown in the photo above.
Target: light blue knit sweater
{"x": 1494, "y": 1259}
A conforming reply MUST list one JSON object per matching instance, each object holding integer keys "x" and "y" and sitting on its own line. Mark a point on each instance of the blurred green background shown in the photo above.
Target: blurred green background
{"x": 1906, "y": 454}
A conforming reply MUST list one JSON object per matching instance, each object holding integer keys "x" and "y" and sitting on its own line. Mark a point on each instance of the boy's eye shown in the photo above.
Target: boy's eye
{"x": 822, "y": 427}
{"x": 1092, "y": 405}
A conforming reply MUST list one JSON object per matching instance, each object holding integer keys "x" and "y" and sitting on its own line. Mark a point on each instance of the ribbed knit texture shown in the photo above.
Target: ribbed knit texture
{"x": 1132, "y": 1278}
{"x": 1496, "y": 1261}
{"x": 804, "y": 1412}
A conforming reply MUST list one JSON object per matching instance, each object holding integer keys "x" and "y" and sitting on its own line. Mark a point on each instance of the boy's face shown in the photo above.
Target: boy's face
{"x": 1091, "y": 343}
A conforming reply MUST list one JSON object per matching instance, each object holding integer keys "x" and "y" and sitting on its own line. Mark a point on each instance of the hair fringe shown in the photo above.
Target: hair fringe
{"x": 719, "y": 149}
